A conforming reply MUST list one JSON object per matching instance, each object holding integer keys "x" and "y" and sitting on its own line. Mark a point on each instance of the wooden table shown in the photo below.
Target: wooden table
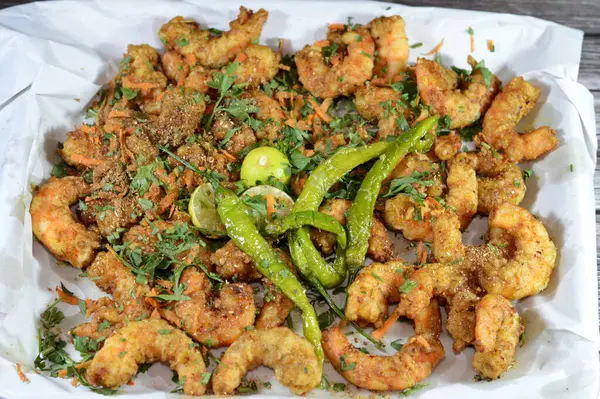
{"x": 579, "y": 14}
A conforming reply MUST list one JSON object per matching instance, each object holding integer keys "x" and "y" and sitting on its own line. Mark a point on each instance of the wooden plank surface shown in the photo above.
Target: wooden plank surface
{"x": 579, "y": 14}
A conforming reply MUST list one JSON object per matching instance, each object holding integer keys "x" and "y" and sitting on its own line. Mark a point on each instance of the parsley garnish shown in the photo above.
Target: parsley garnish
{"x": 346, "y": 366}
{"x": 407, "y": 286}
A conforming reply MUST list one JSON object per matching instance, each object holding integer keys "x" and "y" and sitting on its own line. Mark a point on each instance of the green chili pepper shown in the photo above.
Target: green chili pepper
{"x": 318, "y": 184}
{"x": 308, "y": 218}
{"x": 360, "y": 214}
{"x": 296, "y": 250}
{"x": 241, "y": 229}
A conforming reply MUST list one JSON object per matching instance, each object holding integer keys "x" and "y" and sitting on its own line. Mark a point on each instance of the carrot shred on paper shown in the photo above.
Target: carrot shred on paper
{"x": 491, "y": 46}
{"x": 472, "y": 39}
{"x": 380, "y": 332}
{"x": 21, "y": 374}
{"x": 66, "y": 298}
{"x": 436, "y": 48}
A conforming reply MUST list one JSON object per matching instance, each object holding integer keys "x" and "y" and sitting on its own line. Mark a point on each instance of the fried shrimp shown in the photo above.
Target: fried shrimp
{"x": 462, "y": 188}
{"x": 259, "y": 67}
{"x": 53, "y": 223}
{"x": 380, "y": 244}
{"x": 499, "y": 181}
{"x": 374, "y": 287}
{"x": 404, "y": 214}
{"x": 497, "y": 332}
{"x": 392, "y": 46}
{"x": 291, "y": 357}
{"x": 185, "y": 37}
{"x": 424, "y": 166}
{"x": 383, "y": 104}
{"x": 464, "y": 102}
{"x": 147, "y": 341}
{"x": 520, "y": 256}
{"x": 447, "y": 239}
{"x": 446, "y": 147}
{"x": 140, "y": 74}
{"x": 346, "y": 74}
{"x": 220, "y": 324}
{"x": 515, "y": 101}
{"x": 113, "y": 277}
{"x": 414, "y": 362}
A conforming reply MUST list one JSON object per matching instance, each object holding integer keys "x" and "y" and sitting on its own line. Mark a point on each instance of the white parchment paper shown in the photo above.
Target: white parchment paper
{"x": 54, "y": 56}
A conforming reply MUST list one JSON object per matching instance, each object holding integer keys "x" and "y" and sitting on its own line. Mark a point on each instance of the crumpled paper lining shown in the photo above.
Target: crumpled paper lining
{"x": 55, "y": 53}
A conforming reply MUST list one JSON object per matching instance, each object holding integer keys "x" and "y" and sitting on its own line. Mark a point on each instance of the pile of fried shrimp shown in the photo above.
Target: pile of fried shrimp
{"x": 117, "y": 209}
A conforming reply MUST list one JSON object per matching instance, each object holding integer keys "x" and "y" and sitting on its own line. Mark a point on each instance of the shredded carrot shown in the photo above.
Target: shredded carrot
{"x": 123, "y": 146}
{"x": 436, "y": 48}
{"x": 491, "y": 46}
{"x": 62, "y": 373}
{"x": 380, "y": 332}
{"x": 281, "y": 41}
{"x": 241, "y": 57}
{"x": 120, "y": 113}
{"x": 424, "y": 257}
{"x": 319, "y": 111}
{"x": 472, "y": 39}
{"x": 270, "y": 206}
{"x": 322, "y": 43}
{"x": 22, "y": 375}
{"x": 420, "y": 251}
{"x": 155, "y": 315}
{"x": 326, "y": 104}
{"x": 75, "y": 382}
{"x": 86, "y": 161}
{"x": 161, "y": 96}
{"x": 131, "y": 383}
{"x": 66, "y": 298}
{"x": 153, "y": 302}
{"x": 284, "y": 67}
{"x": 87, "y": 128}
{"x": 336, "y": 27}
{"x": 229, "y": 155}
{"x": 190, "y": 59}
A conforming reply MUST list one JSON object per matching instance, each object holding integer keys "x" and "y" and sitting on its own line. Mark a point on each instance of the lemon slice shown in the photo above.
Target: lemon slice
{"x": 263, "y": 163}
{"x": 260, "y": 207}
{"x": 203, "y": 210}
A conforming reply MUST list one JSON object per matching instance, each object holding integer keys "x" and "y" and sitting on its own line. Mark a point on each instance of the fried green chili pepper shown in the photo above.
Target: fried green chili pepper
{"x": 296, "y": 251}
{"x": 360, "y": 214}
{"x": 315, "y": 219}
{"x": 318, "y": 184}
{"x": 246, "y": 236}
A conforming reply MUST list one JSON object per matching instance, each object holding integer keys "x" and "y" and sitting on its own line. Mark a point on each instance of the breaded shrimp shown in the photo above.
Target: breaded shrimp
{"x": 374, "y": 287}
{"x": 276, "y": 307}
{"x": 114, "y": 278}
{"x": 140, "y": 73}
{"x": 404, "y": 214}
{"x": 415, "y": 162}
{"x": 383, "y": 104}
{"x": 461, "y": 317}
{"x": 179, "y": 117}
{"x": 186, "y": 38}
{"x": 392, "y": 46}
{"x": 346, "y": 75}
{"x": 414, "y": 362}
{"x": 520, "y": 255}
{"x": 499, "y": 181}
{"x": 291, "y": 357}
{"x": 81, "y": 148}
{"x": 53, "y": 223}
{"x": 269, "y": 112}
{"x": 446, "y": 147}
{"x": 380, "y": 244}
{"x": 147, "y": 341}
{"x": 232, "y": 263}
{"x": 242, "y": 137}
{"x": 462, "y": 188}
{"x": 260, "y": 66}
{"x": 515, "y": 101}
{"x": 223, "y": 322}
{"x": 497, "y": 332}
{"x": 441, "y": 89}
{"x": 447, "y": 238}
